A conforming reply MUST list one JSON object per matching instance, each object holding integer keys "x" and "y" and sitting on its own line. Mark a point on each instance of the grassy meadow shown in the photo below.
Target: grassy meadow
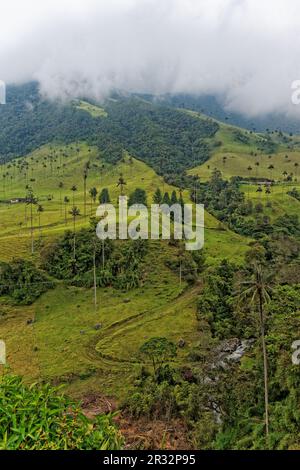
{"x": 238, "y": 152}
{"x": 65, "y": 342}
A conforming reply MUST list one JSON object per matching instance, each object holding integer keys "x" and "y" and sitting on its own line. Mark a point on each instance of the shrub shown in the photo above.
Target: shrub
{"x": 122, "y": 261}
{"x": 22, "y": 281}
{"x": 36, "y": 417}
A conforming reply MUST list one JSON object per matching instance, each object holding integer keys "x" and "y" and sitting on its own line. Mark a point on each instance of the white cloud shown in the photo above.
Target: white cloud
{"x": 245, "y": 50}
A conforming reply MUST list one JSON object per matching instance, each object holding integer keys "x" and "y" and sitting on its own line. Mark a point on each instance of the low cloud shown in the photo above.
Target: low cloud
{"x": 245, "y": 51}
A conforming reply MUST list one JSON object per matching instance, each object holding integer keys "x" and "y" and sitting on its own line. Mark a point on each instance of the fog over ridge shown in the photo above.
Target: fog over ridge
{"x": 243, "y": 50}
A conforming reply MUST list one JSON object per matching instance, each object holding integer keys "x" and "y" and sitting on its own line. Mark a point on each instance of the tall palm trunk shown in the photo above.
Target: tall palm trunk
{"x": 266, "y": 385}
{"x": 74, "y": 237}
{"x": 60, "y": 202}
{"x": 95, "y": 277}
{"x": 103, "y": 255}
{"x": 84, "y": 195}
{"x": 31, "y": 229}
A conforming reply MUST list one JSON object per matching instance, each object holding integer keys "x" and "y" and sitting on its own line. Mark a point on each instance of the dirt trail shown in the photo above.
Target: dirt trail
{"x": 188, "y": 297}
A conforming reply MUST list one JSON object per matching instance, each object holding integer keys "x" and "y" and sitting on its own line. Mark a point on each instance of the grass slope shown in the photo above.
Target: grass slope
{"x": 94, "y": 111}
{"x": 277, "y": 203}
{"x": 242, "y": 150}
{"x": 15, "y": 223}
{"x": 63, "y": 344}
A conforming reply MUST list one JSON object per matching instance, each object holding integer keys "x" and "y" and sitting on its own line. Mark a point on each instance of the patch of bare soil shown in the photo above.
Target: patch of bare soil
{"x": 140, "y": 433}
{"x": 94, "y": 404}
{"x": 153, "y": 435}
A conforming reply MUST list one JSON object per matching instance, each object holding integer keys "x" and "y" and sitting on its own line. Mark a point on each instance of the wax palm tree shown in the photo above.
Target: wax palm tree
{"x": 31, "y": 201}
{"x": 249, "y": 170}
{"x": 60, "y": 186}
{"x": 66, "y": 202}
{"x": 258, "y": 290}
{"x": 75, "y": 212}
{"x": 180, "y": 200}
{"x": 74, "y": 189}
{"x": 296, "y": 165}
{"x": 40, "y": 210}
{"x": 93, "y": 195}
{"x": 4, "y": 179}
{"x": 131, "y": 165}
{"x": 121, "y": 183}
{"x": 94, "y": 243}
{"x": 271, "y": 168}
{"x": 259, "y": 190}
{"x": 85, "y": 175}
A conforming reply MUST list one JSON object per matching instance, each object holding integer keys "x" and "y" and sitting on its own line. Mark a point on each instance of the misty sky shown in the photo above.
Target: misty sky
{"x": 247, "y": 51}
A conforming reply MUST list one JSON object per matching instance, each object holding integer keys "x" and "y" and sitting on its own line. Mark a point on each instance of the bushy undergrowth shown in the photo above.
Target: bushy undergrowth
{"x": 36, "y": 417}
{"x": 228, "y": 203}
{"x": 117, "y": 264}
{"x": 22, "y": 281}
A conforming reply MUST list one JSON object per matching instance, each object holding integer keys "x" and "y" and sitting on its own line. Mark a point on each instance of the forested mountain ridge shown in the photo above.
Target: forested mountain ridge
{"x": 163, "y": 137}
{"x": 216, "y": 108}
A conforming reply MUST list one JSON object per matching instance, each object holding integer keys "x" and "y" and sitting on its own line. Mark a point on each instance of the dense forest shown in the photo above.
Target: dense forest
{"x": 215, "y": 107}
{"x": 161, "y": 136}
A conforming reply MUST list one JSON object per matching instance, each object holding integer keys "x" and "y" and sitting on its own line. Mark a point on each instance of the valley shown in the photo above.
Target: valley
{"x": 85, "y": 326}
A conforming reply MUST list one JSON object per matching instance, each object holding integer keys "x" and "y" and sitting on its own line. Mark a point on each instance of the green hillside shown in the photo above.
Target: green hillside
{"x": 171, "y": 338}
{"x": 49, "y": 166}
{"x": 86, "y": 358}
{"x": 237, "y": 152}
{"x": 277, "y": 203}
{"x": 159, "y": 135}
